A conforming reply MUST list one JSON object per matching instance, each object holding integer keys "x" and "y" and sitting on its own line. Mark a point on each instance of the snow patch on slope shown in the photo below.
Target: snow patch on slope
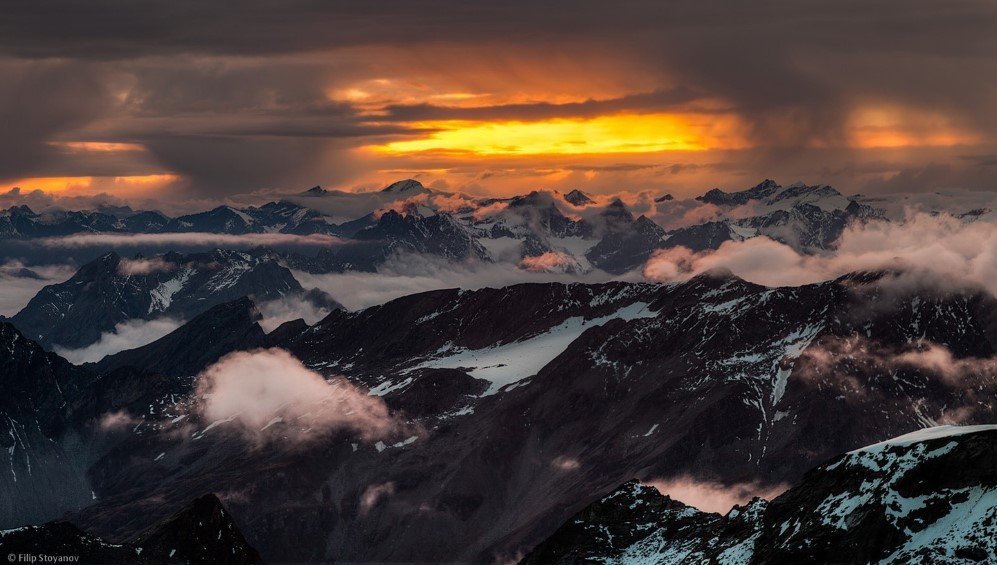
{"x": 162, "y": 295}
{"x": 506, "y": 364}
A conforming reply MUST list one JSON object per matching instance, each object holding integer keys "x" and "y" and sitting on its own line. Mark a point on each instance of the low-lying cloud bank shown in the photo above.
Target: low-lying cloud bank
{"x": 41, "y": 201}
{"x": 825, "y": 360}
{"x": 197, "y": 239}
{"x": 855, "y": 366}
{"x": 141, "y": 266}
{"x": 942, "y": 245}
{"x": 711, "y": 496}
{"x": 82, "y": 248}
{"x": 550, "y": 262}
{"x": 126, "y": 335}
{"x": 19, "y": 285}
{"x": 410, "y": 274}
{"x": 268, "y": 395}
{"x": 290, "y": 307}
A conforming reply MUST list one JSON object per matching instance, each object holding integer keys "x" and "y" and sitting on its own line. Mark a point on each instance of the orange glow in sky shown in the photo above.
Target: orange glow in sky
{"x": 90, "y": 185}
{"x": 53, "y": 184}
{"x": 624, "y": 133}
{"x": 894, "y": 127}
{"x": 98, "y": 146}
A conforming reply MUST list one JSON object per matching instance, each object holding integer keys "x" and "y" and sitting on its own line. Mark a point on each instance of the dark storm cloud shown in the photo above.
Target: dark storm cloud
{"x": 233, "y": 97}
{"x": 194, "y": 85}
{"x": 223, "y": 126}
{"x": 227, "y": 165}
{"x": 239, "y": 125}
{"x": 125, "y": 28}
{"x": 38, "y": 100}
{"x": 933, "y": 176}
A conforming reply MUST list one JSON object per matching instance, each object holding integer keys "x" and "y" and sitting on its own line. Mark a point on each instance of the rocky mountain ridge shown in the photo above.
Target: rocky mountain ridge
{"x": 408, "y": 217}
{"x": 925, "y": 497}
{"x": 557, "y": 392}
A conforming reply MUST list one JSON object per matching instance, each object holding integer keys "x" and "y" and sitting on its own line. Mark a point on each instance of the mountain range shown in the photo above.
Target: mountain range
{"x": 511, "y": 409}
{"x": 553, "y": 422}
{"x": 112, "y": 289}
{"x": 408, "y": 217}
{"x": 542, "y": 230}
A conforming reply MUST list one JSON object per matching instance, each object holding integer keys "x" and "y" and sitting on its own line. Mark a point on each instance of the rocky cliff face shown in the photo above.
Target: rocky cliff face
{"x": 112, "y": 290}
{"x": 925, "y": 497}
{"x": 43, "y": 460}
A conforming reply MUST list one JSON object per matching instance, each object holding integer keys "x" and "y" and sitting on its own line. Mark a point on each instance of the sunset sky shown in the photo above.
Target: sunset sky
{"x": 182, "y": 100}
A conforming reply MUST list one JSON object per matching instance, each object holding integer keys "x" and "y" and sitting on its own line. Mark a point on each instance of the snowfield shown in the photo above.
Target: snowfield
{"x": 505, "y": 364}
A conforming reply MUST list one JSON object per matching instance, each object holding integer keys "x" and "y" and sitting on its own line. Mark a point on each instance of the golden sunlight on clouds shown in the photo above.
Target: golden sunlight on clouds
{"x": 894, "y": 127}
{"x": 624, "y": 133}
{"x": 372, "y": 96}
{"x": 97, "y": 146}
{"x": 53, "y": 184}
{"x": 147, "y": 180}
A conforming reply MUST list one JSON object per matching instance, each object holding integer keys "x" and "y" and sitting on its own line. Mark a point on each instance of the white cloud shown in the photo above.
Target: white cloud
{"x": 18, "y": 290}
{"x": 133, "y": 267}
{"x": 268, "y": 394}
{"x": 116, "y": 421}
{"x": 40, "y": 201}
{"x": 549, "y": 262}
{"x": 948, "y": 248}
{"x": 192, "y": 238}
{"x": 287, "y": 308}
{"x": 126, "y": 335}
{"x": 374, "y": 494}
{"x": 712, "y": 496}
{"x": 410, "y": 274}
{"x": 563, "y": 463}
{"x": 953, "y": 201}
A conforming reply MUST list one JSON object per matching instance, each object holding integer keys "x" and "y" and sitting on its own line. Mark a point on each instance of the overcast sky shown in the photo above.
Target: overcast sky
{"x": 182, "y": 99}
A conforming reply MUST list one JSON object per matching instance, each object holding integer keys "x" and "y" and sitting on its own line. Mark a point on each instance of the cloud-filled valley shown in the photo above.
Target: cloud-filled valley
{"x": 940, "y": 246}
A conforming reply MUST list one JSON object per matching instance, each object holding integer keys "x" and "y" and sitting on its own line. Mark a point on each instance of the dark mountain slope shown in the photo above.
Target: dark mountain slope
{"x": 201, "y": 533}
{"x": 40, "y": 477}
{"x": 376, "y": 239}
{"x": 407, "y": 328}
{"x": 112, "y": 290}
{"x": 195, "y": 345}
{"x": 715, "y": 378}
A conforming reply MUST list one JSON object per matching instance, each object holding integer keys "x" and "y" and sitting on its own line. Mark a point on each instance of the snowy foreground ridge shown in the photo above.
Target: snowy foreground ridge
{"x": 928, "y": 434}
{"x": 925, "y": 497}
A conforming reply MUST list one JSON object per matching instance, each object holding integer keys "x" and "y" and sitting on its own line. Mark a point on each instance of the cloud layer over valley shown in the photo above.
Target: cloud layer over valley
{"x": 944, "y": 246}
